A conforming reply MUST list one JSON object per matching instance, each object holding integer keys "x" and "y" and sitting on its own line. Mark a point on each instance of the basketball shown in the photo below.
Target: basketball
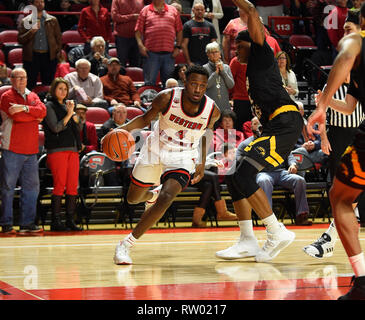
{"x": 118, "y": 145}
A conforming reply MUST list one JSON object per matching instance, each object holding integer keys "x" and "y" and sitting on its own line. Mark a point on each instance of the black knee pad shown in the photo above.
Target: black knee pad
{"x": 244, "y": 178}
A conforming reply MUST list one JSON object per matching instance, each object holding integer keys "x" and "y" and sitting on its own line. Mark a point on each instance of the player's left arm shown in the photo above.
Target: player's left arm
{"x": 205, "y": 141}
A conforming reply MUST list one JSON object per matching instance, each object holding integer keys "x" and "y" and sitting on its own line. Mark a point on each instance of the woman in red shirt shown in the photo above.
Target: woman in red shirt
{"x": 94, "y": 21}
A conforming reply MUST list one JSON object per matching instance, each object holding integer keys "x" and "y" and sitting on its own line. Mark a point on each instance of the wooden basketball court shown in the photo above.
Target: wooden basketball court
{"x": 169, "y": 264}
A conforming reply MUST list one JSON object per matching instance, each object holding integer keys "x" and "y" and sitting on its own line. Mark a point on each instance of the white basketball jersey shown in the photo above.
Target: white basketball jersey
{"x": 179, "y": 132}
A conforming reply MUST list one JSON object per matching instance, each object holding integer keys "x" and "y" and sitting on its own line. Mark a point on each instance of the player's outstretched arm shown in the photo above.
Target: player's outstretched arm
{"x": 254, "y": 24}
{"x": 158, "y": 105}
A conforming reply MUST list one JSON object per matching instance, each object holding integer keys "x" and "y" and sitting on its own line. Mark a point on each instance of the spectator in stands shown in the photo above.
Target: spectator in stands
{"x": 88, "y": 136}
{"x": 66, "y": 21}
{"x": 311, "y": 148}
{"x": 62, "y": 141}
{"x": 21, "y": 112}
{"x": 118, "y": 88}
{"x": 159, "y": 35}
{"x": 226, "y": 133}
{"x": 85, "y": 87}
{"x": 124, "y": 15}
{"x": 51, "y": 5}
{"x": 210, "y": 188}
{"x": 42, "y": 45}
{"x": 213, "y": 13}
{"x": 334, "y": 23}
{"x": 63, "y": 67}
{"x": 4, "y": 79}
{"x": 94, "y": 21}
{"x": 179, "y": 73}
{"x": 230, "y": 32}
{"x": 98, "y": 56}
{"x": 197, "y": 33}
{"x": 287, "y": 74}
{"x": 220, "y": 77}
{"x": 252, "y": 127}
{"x": 228, "y": 159}
{"x": 178, "y": 7}
{"x": 119, "y": 117}
{"x": 268, "y": 8}
{"x": 319, "y": 14}
{"x": 300, "y": 9}
{"x": 241, "y": 101}
{"x": 356, "y": 5}
{"x": 123, "y": 169}
{"x": 171, "y": 83}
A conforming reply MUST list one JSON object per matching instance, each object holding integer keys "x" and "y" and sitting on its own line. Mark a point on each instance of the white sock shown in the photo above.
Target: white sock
{"x": 246, "y": 229}
{"x": 129, "y": 240}
{"x": 332, "y": 231}
{"x": 358, "y": 264}
{"x": 271, "y": 223}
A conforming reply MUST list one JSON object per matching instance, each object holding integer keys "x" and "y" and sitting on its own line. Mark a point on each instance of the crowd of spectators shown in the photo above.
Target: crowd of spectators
{"x": 151, "y": 35}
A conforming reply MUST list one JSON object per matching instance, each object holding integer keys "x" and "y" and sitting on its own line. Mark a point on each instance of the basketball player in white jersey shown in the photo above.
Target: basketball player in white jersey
{"x": 174, "y": 150}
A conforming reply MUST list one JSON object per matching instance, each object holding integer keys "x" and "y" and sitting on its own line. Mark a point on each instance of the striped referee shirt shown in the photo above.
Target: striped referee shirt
{"x": 338, "y": 119}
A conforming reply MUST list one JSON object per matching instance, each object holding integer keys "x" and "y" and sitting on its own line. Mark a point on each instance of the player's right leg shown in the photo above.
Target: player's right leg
{"x": 170, "y": 188}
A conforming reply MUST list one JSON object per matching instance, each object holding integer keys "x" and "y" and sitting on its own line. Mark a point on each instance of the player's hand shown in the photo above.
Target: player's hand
{"x": 318, "y": 116}
{"x": 325, "y": 144}
{"x": 199, "y": 173}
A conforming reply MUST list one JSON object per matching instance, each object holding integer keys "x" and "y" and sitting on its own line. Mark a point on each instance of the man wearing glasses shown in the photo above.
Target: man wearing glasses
{"x": 21, "y": 112}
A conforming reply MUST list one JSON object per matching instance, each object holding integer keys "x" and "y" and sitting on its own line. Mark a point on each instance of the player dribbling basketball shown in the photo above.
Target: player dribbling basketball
{"x": 172, "y": 152}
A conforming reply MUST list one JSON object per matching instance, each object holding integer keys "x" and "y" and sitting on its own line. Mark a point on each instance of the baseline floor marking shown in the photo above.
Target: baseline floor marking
{"x": 140, "y": 243}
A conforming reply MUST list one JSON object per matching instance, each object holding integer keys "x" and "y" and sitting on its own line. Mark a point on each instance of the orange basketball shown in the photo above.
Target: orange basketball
{"x": 118, "y": 145}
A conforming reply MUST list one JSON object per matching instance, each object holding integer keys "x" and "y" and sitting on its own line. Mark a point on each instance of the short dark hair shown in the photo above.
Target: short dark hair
{"x": 196, "y": 69}
{"x": 243, "y": 36}
{"x": 353, "y": 16}
{"x": 226, "y": 113}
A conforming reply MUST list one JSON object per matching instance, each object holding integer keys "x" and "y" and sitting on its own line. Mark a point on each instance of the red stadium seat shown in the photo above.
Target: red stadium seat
{"x": 15, "y": 57}
{"x": 135, "y": 73}
{"x": 71, "y": 38}
{"x": 133, "y": 112}
{"x": 8, "y": 37}
{"x": 4, "y": 88}
{"x": 97, "y": 115}
{"x": 302, "y": 41}
{"x": 113, "y": 52}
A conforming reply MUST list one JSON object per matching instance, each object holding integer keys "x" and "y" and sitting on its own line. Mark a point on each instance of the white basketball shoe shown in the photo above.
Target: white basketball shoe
{"x": 241, "y": 249}
{"x": 121, "y": 255}
{"x": 322, "y": 248}
{"x": 275, "y": 243}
